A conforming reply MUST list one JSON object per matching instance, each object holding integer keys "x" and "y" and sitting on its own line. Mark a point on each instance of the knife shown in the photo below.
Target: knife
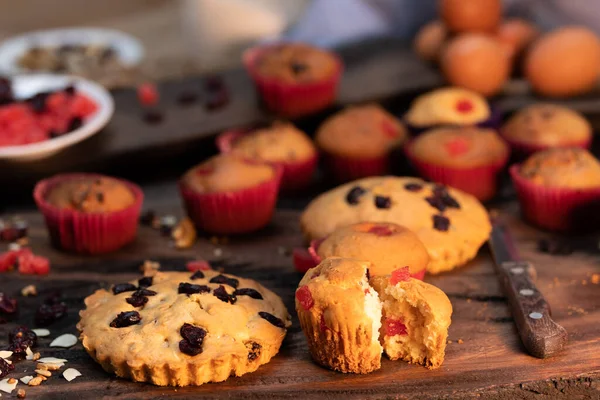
{"x": 541, "y": 336}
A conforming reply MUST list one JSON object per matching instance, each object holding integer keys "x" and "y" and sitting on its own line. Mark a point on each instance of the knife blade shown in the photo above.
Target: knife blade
{"x": 541, "y": 336}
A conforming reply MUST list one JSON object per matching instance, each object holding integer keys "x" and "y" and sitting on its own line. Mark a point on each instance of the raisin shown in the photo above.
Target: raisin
{"x": 436, "y": 202}
{"x": 354, "y": 195}
{"x": 188, "y": 349}
{"x": 272, "y": 319}
{"x": 298, "y": 67}
{"x": 38, "y": 102}
{"x": 383, "y": 202}
{"x": 20, "y": 338}
{"x": 381, "y": 230}
{"x": 253, "y": 350}
{"x": 188, "y": 288}
{"x": 144, "y": 292}
{"x": 441, "y": 223}
{"x": 554, "y": 247}
{"x": 194, "y": 335}
{"x": 125, "y": 319}
{"x": 123, "y": 287}
{"x": 394, "y": 327}
{"x": 197, "y": 275}
{"x": 5, "y": 367}
{"x": 214, "y": 83}
{"x": 50, "y": 313}
{"x": 137, "y": 301}
{"x": 145, "y": 282}
{"x": 8, "y": 305}
{"x": 255, "y": 294}
{"x": 449, "y": 200}
{"x": 221, "y": 294}
{"x": 413, "y": 187}
{"x": 234, "y": 283}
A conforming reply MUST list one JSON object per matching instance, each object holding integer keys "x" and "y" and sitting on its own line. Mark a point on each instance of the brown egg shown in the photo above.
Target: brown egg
{"x": 515, "y": 35}
{"x": 430, "y": 39}
{"x": 477, "y": 62}
{"x": 564, "y": 62}
{"x": 471, "y": 15}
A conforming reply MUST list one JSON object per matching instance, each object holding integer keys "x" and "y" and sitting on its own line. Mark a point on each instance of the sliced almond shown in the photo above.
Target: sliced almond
{"x": 29, "y": 290}
{"x": 70, "y": 374}
{"x": 41, "y": 332}
{"x": 21, "y": 394}
{"x": 5, "y": 353}
{"x": 28, "y": 354}
{"x": 8, "y": 387}
{"x": 66, "y": 340}
{"x": 26, "y": 379}
{"x": 43, "y": 372}
{"x": 184, "y": 234}
{"x": 52, "y": 360}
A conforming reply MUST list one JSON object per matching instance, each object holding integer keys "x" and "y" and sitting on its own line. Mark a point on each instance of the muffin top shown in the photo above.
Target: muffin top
{"x": 281, "y": 142}
{"x": 448, "y": 106}
{"x": 226, "y": 173}
{"x": 459, "y": 147}
{"x": 91, "y": 195}
{"x": 361, "y": 131}
{"x": 297, "y": 63}
{"x": 547, "y": 125}
{"x": 563, "y": 167}
{"x": 387, "y": 246}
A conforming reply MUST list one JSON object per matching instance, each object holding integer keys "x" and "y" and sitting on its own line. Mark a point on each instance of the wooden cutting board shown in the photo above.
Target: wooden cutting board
{"x": 483, "y": 358}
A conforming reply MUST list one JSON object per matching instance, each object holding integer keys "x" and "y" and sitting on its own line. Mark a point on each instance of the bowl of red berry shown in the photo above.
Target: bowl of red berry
{"x": 42, "y": 114}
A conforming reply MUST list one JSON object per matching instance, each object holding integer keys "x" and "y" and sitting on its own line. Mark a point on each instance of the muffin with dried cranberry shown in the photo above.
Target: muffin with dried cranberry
{"x": 450, "y": 106}
{"x": 89, "y": 213}
{"x": 228, "y": 194}
{"x": 294, "y": 79}
{"x": 466, "y": 158}
{"x": 359, "y": 141}
{"x": 559, "y": 189}
{"x": 280, "y": 144}
{"x": 386, "y": 245}
{"x": 543, "y": 126}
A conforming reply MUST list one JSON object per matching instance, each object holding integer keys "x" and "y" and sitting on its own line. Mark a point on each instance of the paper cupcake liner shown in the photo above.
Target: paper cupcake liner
{"x": 346, "y": 169}
{"x": 291, "y": 99}
{"x": 88, "y": 233}
{"x": 521, "y": 151}
{"x": 557, "y": 209}
{"x": 296, "y": 175}
{"x": 493, "y": 122}
{"x": 481, "y": 182}
{"x": 241, "y": 211}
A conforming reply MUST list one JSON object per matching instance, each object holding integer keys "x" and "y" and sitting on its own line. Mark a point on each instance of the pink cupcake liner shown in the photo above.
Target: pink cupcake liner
{"x": 305, "y": 259}
{"x": 88, "y": 233}
{"x": 481, "y": 182}
{"x": 557, "y": 209}
{"x": 523, "y": 150}
{"x": 345, "y": 169}
{"x": 236, "y": 212}
{"x": 291, "y": 99}
{"x": 296, "y": 175}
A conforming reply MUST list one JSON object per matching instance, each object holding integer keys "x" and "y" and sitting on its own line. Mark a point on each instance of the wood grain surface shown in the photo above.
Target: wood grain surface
{"x": 484, "y": 358}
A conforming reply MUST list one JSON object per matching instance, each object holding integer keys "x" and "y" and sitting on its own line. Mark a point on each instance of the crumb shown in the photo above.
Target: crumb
{"x": 21, "y": 393}
{"x": 469, "y": 300}
{"x": 583, "y": 282}
{"x": 149, "y": 267}
{"x": 460, "y": 341}
{"x": 29, "y": 290}
{"x": 11, "y": 381}
{"x": 218, "y": 252}
{"x": 449, "y": 342}
{"x": 35, "y": 381}
{"x": 595, "y": 279}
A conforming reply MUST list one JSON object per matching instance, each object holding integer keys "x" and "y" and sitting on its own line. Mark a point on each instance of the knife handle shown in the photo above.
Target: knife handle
{"x": 541, "y": 336}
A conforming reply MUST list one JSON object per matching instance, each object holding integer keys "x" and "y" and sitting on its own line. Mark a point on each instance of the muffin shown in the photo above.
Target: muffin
{"x": 387, "y": 246}
{"x": 227, "y": 194}
{"x": 429, "y": 41}
{"x": 452, "y": 225}
{"x": 358, "y": 141}
{"x": 416, "y": 318}
{"x": 468, "y": 158}
{"x": 294, "y": 79}
{"x": 449, "y": 106}
{"x": 89, "y": 213}
{"x": 340, "y": 315}
{"x": 559, "y": 189}
{"x": 516, "y": 35}
{"x": 542, "y": 126}
{"x": 280, "y": 144}
{"x": 471, "y": 15}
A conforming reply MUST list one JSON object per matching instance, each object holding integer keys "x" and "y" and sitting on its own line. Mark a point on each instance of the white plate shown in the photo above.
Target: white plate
{"x": 27, "y": 85}
{"x": 129, "y": 50}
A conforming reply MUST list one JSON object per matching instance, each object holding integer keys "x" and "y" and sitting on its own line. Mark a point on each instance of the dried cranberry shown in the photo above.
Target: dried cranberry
{"x": 394, "y": 327}
{"x": 74, "y": 124}
{"x": 20, "y": 339}
{"x": 234, "y": 283}
{"x": 198, "y": 265}
{"x": 221, "y": 294}
{"x": 253, "y": 350}
{"x": 197, "y": 275}
{"x": 145, "y": 282}
{"x": 383, "y": 202}
{"x": 188, "y": 349}
{"x": 188, "y": 288}
{"x": 147, "y": 94}
{"x": 255, "y": 294}
{"x": 125, "y": 319}
{"x": 9, "y": 234}
{"x": 5, "y": 368}
{"x": 400, "y": 275}
{"x": 49, "y": 313}
{"x": 354, "y": 195}
{"x": 8, "y": 305}
{"x": 123, "y": 287}
{"x": 272, "y": 319}
{"x": 304, "y": 297}
{"x": 436, "y": 202}
{"x": 38, "y": 102}
{"x": 441, "y": 223}
{"x": 194, "y": 335}
{"x": 144, "y": 292}
{"x": 137, "y": 301}
{"x": 322, "y": 324}
{"x": 381, "y": 230}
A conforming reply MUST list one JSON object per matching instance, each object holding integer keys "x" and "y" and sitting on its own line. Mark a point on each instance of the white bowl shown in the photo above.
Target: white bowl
{"x": 129, "y": 50}
{"x": 28, "y": 85}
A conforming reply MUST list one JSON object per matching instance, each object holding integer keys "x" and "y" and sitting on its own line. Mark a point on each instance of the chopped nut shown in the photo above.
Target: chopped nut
{"x": 595, "y": 279}
{"x": 460, "y": 341}
{"x": 48, "y": 367}
{"x": 584, "y": 282}
{"x": 36, "y": 356}
{"x": 42, "y": 377}
{"x": 29, "y": 290}
{"x": 43, "y": 372}
{"x": 449, "y": 342}
{"x": 35, "y": 381}
{"x": 12, "y": 381}
{"x": 149, "y": 267}
{"x": 184, "y": 234}
{"x": 21, "y": 393}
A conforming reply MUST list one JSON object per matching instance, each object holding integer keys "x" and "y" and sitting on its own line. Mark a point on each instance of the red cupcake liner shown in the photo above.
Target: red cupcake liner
{"x": 557, "y": 209}
{"x": 523, "y": 150}
{"x": 88, "y": 233}
{"x": 236, "y": 212}
{"x": 345, "y": 169}
{"x": 481, "y": 182}
{"x": 296, "y": 175}
{"x": 291, "y": 99}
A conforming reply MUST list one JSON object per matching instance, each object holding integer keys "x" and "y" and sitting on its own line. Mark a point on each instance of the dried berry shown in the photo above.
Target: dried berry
{"x": 214, "y": 83}
{"x": 394, "y": 327}
{"x": 5, "y": 368}
{"x": 436, "y": 202}
{"x": 441, "y": 223}
{"x": 449, "y": 200}
{"x": 100, "y": 197}
{"x": 234, "y": 283}
{"x": 253, "y": 350}
{"x": 21, "y": 227}
{"x": 6, "y": 93}
{"x": 148, "y": 218}
{"x": 221, "y": 294}
{"x": 197, "y": 275}
{"x": 197, "y": 265}
{"x": 137, "y": 301}
{"x": 70, "y": 90}
{"x": 194, "y": 335}
{"x": 381, "y": 230}
{"x": 298, "y": 67}
{"x": 400, "y": 275}
{"x": 75, "y": 123}
{"x": 145, "y": 282}
{"x": 554, "y": 247}
{"x": 8, "y": 305}
{"x": 144, "y": 292}
{"x": 272, "y": 319}
{"x": 125, "y": 319}
{"x": 147, "y": 94}
{"x": 21, "y": 338}
{"x": 464, "y": 106}
{"x": 49, "y": 313}
{"x": 255, "y": 294}
{"x": 166, "y": 225}
{"x": 38, "y": 102}
{"x": 123, "y": 287}
{"x": 383, "y": 202}
{"x": 305, "y": 298}
{"x": 188, "y": 349}
{"x": 354, "y": 195}
{"x": 188, "y": 288}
